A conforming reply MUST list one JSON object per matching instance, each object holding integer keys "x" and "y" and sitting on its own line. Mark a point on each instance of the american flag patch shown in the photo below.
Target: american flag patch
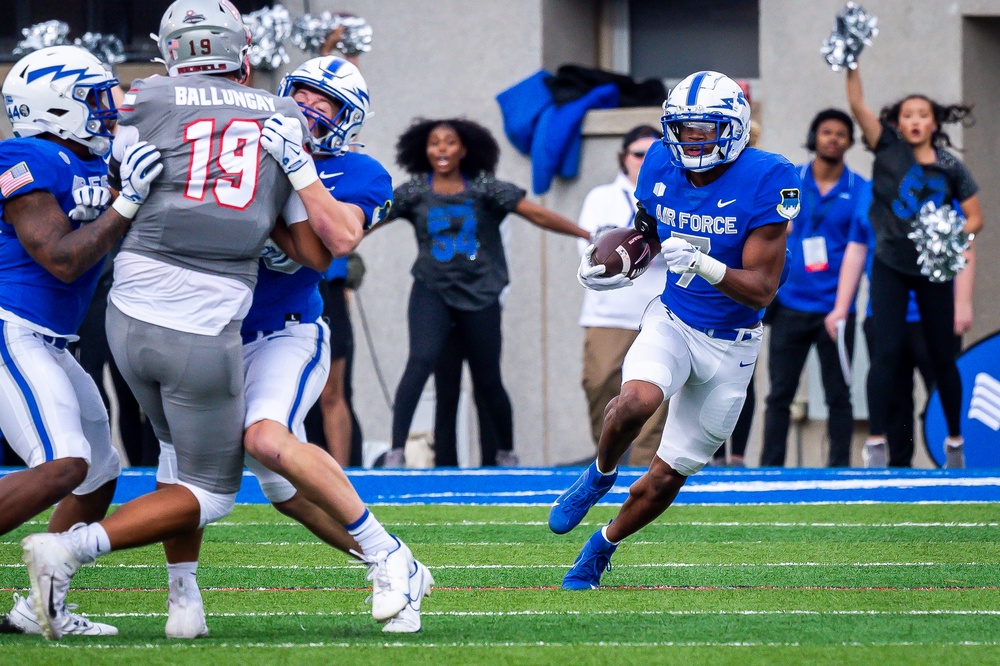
{"x": 17, "y": 176}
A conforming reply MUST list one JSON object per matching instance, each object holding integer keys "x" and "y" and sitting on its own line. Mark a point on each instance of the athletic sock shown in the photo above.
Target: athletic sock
{"x": 182, "y": 572}
{"x": 598, "y": 468}
{"x": 370, "y": 534}
{"x": 604, "y": 533}
{"x": 87, "y": 542}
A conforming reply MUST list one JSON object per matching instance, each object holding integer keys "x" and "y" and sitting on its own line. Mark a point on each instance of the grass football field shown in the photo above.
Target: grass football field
{"x": 866, "y": 583}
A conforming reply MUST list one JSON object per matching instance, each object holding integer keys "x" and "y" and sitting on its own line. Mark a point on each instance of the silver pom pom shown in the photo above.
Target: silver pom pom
{"x": 42, "y": 35}
{"x": 941, "y": 243}
{"x": 269, "y": 28}
{"x": 853, "y": 29}
{"x": 107, "y": 48}
{"x": 309, "y": 33}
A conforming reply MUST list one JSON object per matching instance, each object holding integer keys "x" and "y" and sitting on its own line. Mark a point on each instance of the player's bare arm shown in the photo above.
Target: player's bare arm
{"x": 338, "y": 225}
{"x": 756, "y": 283}
{"x": 871, "y": 128}
{"x": 547, "y": 219}
{"x": 48, "y": 236}
{"x": 302, "y": 245}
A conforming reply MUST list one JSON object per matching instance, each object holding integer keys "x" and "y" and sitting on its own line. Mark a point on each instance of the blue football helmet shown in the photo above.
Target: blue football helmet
{"x": 714, "y": 101}
{"x": 342, "y": 83}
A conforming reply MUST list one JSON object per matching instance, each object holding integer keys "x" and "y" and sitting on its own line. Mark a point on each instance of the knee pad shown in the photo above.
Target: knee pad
{"x": 214, "y": 506}
{"x": 166, "y": 469}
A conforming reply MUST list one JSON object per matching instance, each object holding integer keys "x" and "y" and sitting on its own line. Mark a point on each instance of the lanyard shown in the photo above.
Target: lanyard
{"x": 818, "y": 213}
{"x": 631, "y": 206}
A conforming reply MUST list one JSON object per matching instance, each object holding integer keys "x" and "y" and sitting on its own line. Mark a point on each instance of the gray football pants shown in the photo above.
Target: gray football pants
{"x": 191, "y": 388}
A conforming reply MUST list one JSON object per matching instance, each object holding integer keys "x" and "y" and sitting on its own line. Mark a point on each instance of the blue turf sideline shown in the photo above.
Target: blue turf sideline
{"x": 540, "y": 486}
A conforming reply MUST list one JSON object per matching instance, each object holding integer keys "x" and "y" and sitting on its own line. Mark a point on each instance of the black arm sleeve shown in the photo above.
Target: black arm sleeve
{"x": 114, "y": 173}
{"x": 645, "y": 224}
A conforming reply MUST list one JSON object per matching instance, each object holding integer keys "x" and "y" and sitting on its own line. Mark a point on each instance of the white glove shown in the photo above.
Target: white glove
{"x": 682, "y": 257}
{"x": 139, "y": 169}
{"x": 590, "y": 276}
{"x": 282, "y": 139}
{"x": 91, "y": 201}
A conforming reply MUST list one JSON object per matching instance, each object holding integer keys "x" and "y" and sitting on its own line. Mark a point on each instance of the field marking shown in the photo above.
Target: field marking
{"x": 642, "y": 565}
{"x": 549, "y": 588}
{"x": 206, "y": 645}
{"x": 909, "y": 613}
{"x": 537, "y": 523}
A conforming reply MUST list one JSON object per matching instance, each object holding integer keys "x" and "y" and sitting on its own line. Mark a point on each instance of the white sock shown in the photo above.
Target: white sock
{"x": 370, "y": 534}
{"x": 88, "y": 542}
{"x": 181, "y": 570}
{"x": 598, "y": 468}
{"x": 604, "y": 533}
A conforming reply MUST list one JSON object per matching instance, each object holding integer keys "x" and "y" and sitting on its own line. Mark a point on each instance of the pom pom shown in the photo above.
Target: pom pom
{"x": 853, "y": 29}
{"x": 107, "y": 48}
{"x": 269, "y": 28}
{"x": 309, "y": 33}
{"x": 940, "y": 241}
{"x": 42, "y": 35}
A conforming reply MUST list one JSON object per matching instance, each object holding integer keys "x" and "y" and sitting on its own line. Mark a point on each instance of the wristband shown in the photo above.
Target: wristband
{"x": 125, "y": 208}
{"x": 304, "y": 176}
{"x": 709, "y": 268}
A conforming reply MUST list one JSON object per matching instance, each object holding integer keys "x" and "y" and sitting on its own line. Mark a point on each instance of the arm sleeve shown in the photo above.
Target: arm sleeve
{"x": 24, "y": 170}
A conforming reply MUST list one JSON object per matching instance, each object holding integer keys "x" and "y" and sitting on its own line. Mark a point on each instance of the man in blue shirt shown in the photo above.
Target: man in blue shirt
{"x": 828, "y": 243}
{"x": 718, "y": 210}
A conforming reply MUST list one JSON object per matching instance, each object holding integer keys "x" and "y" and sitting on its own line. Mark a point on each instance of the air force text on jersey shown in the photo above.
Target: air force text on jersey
{"x": 212, "y": 96}
{"x": 684, "y": 221}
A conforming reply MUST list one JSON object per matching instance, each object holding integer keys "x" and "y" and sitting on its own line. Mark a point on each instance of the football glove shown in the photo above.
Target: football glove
{"x": 282, "y": 139}
{"x": 91, "y": 201}
{"x": 139, "y": 169}
{"x": 590, "y": 276}
{"x": 683, "y": 257}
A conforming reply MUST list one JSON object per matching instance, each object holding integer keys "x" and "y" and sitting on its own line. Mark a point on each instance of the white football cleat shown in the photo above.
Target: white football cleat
{"x": 185, "y": 612}
{"x": 21, "y": 620}
{"x": 408, "y": 620}
{"x": 389, "y": 572}
{"x": 51, "y": 566}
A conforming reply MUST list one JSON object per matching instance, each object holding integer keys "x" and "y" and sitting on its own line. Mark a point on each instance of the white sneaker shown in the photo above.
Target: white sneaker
{"x": 389, "y": 572}
{"x": 954, "y": 455}
{"x": 408, "y": 620}
{"x": 185, "y": 612}
{"x": 51, "y": 567}
{"x": 875, "y": 455}
{"x": 21, "y": 620}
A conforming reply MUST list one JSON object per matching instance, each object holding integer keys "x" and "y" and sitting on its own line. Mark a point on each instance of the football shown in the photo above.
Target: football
{"x": 622, "y": 251}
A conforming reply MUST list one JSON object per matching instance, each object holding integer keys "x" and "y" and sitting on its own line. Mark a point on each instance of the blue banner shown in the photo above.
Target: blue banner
{"x": 979, "y": 368}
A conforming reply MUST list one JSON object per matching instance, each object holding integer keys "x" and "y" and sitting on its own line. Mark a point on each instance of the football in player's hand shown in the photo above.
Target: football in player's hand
{"x": 622, "y": 251}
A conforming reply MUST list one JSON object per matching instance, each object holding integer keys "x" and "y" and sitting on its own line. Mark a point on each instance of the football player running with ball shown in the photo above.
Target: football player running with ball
{"x": 286, "y": 356}
{"x": 719, "y": 211}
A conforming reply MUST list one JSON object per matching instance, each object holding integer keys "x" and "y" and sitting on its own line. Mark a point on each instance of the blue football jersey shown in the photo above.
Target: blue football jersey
{"x": 27, "y": 290}
{"x": 286, "y": 291}
{"x": 759, "y": 188}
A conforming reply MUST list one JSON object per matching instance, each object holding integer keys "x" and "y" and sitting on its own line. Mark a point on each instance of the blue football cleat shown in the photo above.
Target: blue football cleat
{"x": 590, "y": 564}
{"x": 570, "y": 507}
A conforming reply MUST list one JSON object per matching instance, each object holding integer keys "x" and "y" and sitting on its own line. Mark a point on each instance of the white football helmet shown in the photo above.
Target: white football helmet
{"x": 204, "y": 37}
{"x": 65, "y": 91}
{"x": 707, "y": 97}
{"x": 342, "y": 83}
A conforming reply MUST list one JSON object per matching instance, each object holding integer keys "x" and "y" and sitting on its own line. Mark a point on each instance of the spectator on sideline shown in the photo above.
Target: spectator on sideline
{"x": 912, "y": 167}
{"x": 828, "y": 244}
{"x": 611, "y": 318}
{"x": 456, "y": 205}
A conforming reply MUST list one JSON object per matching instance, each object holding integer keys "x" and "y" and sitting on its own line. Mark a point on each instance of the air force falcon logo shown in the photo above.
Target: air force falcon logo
{"x": 789, "y": 206}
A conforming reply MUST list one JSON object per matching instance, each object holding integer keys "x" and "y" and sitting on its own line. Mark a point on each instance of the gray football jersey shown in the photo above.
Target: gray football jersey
{"x": 213, "y": 207}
